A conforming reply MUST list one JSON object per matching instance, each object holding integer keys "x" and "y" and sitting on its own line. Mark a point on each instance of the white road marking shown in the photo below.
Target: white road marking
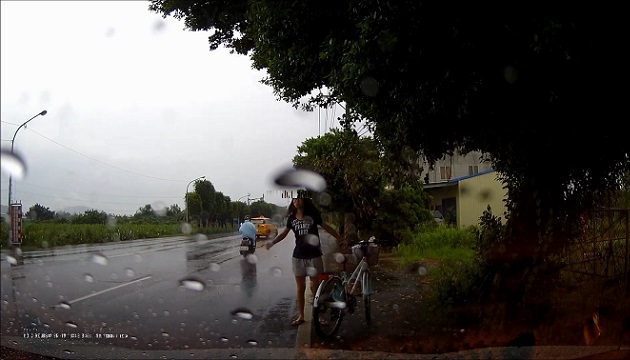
{"x": 106, "y": 290}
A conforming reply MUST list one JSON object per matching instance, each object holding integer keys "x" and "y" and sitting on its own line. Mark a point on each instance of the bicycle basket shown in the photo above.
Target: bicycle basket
{"x": 371, "y": 256}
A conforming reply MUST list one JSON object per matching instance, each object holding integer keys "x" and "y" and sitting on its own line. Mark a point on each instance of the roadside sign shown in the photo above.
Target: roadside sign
{"x": 15, "y": 231}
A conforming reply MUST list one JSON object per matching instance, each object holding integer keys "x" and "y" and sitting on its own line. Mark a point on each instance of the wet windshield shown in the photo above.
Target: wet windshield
{"x": 420, "y": 188}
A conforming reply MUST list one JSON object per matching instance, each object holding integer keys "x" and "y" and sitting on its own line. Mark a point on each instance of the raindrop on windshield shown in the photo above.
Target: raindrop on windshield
{"x": 215, "y": 267}
{"x": 12, "y": 164}
{"x": 201, "y": 237}
{"x": 99, "y": 258}
{"x": 88, "y": 278}
{"x": 137, "y": 258}
{"x": 339, "y": 258}
{"x": 159, "y": 26}
{"x": 277, "y": 219}
{"x": 72, "y": 324}
{"x": 192, "y": 283}
{"x": 243, "y": 313}
{"x": 511, "y": 74}
{"x": 186, "y": 229}
{"x": 252, "y": 342}
{"x": 311, "y": 271}
{"x": 252, "y": 259}
{"x": 111, "y": 221}
{"x": 337, "y": 304}
{"x": 485, "y": 195}
{"x": 369, "y": 86}
{"x": 159, "y": 208}
{"x": 325, "y": 199}
{"x": 11, "y": 260}
{"x": 422, "y": 270}
{"x": 165, "y": 334}
{"x": 224, "y": 339}
{"x": 301, "y": 178}
{"x": 129, "y": 272}
{"x": 276, "y": 271}
{"x": 312, "y": 240}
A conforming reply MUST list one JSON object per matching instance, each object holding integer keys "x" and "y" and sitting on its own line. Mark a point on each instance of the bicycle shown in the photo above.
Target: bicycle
{"x": 337, "y": 294}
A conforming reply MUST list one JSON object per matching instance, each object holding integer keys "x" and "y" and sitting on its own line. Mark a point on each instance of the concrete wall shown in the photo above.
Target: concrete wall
{"x": 474, "y": 196}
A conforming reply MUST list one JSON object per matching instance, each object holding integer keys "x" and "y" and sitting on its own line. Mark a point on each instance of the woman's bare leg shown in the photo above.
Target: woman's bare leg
{"x": 300, "y": 282}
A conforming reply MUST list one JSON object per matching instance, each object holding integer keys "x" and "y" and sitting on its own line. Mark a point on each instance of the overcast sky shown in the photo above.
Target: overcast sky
{"x": 137, "y": 108}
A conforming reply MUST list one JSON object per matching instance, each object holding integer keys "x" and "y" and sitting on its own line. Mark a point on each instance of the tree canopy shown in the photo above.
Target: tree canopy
{"x": 352, "y": 168}
{"x": 533, "y": 85}
{"x": 39, "y": 212}
{"x": 358, "y": 183}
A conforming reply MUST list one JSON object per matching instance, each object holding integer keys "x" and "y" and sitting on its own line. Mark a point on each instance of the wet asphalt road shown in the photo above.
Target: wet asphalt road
{"x": 171, "y": 294}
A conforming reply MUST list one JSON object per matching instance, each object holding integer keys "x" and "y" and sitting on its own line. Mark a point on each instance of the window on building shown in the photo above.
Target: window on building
{"x": 473, "y": 169}
{"x": 445, "y": 172}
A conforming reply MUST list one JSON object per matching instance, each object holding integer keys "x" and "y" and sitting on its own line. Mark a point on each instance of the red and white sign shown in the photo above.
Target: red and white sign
{"x": 15, "y": 230}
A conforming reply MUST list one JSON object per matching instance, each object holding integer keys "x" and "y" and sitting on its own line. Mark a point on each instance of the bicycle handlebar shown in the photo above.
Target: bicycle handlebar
{"x": 371, "y": 240}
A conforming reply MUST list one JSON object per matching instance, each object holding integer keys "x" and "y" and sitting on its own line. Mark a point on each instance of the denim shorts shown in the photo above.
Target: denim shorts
{"x": 308, "y": 267}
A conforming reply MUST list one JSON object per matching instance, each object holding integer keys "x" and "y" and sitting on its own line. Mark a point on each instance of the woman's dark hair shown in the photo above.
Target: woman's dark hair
{"x": 309, "y": 208}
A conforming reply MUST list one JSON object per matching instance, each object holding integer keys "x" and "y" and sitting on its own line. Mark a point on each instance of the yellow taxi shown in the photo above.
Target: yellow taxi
{"x": 264, "y": 226}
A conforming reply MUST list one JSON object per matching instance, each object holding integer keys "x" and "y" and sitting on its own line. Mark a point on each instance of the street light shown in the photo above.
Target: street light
{"x": 42, "y": 113}
{"x": 239, "y": 215}
{"x": 186, "y": 196}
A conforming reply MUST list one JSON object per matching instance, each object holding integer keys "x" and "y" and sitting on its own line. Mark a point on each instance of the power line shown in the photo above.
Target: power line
{"x": 102, "y": 194}
{"x": 104, "y": 163}
{"x": 78, "y": 199}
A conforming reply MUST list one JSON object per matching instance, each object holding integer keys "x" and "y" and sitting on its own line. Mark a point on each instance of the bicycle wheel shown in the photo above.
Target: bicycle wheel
{"x": 328, "y": 313}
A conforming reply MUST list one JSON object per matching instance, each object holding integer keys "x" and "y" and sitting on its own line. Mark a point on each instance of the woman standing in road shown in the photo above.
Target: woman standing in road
{"x": 303, "y": 219}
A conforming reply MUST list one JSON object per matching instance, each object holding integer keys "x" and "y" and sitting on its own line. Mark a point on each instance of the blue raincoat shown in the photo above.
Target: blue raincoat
{"x": 248, "y": 229}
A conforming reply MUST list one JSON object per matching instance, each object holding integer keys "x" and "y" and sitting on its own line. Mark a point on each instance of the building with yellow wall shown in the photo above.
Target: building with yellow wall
{"x": 462, "y": 200}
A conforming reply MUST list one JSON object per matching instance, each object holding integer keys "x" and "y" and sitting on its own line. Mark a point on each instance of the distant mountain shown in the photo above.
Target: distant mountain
{"x": 76, "y": 209}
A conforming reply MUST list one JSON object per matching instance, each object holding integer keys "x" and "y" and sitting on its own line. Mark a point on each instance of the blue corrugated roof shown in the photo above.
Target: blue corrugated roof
{"x": 469, "y": 176}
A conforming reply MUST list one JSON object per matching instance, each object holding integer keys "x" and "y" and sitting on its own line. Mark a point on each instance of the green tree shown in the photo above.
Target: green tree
{"x": 193, "y": 206}
{"x": 240, "y": 209}
{"x": 260, "y": 207}
{"x": 432, "y": 77}
{"x": 145, "y": 211}
{"x": 174, "y": 212}
{"x": 401, "y": 210}
{"x": 221, "y": 209}
{"x": 91, "y": 217}
{"x": 207, "y": 195}
{"x": 353, "y": 171}
{"x": 38, "y": 212}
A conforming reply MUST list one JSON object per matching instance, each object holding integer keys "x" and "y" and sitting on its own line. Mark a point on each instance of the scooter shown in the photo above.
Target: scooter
{"x": 248, "y": 246}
